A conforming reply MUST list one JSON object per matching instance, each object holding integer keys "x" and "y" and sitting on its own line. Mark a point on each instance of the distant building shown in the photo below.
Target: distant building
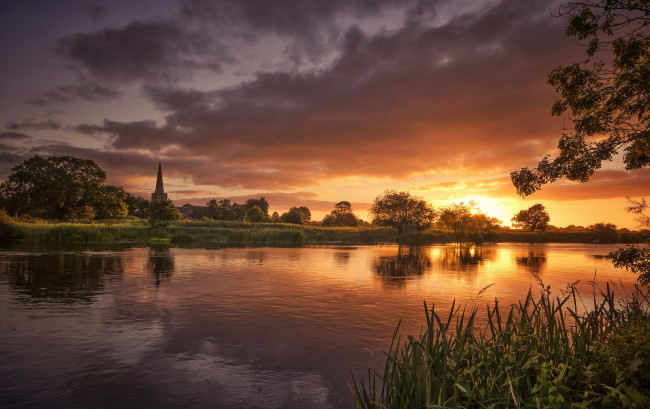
{"x": 159, "y": 194}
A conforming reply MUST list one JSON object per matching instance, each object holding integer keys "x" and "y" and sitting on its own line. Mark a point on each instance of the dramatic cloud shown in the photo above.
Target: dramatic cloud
{"x": 87, "y": 91}
{"x": 143, "y": 50}
{"x": 392, "y": 105}
{"x": 14, "y": 136}
{"x": 36, "y": 124}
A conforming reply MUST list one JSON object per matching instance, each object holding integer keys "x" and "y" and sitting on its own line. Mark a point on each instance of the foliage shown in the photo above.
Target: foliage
{"x": 275, "y": 218}
{"x": 636, "y": 258}
{"x": 8, "y": 228}
{"x": 607, "y": 99}
{"x": 112, "y": 203}
{"x": 402, "y": 210}
{"x": 60, "y": 188}
{"x": 603, "y": 233}
{"x": 255, "y": 214}
{"x": 161, "y": 212}
{"x": 534, "y": 218}
{"x": 293, "y": 216}
{"x": 468, "y": 223}
{"x": 136, "y": 206}
{"x": 341, "y": 216}
{"x": 261, "y": 203}
{"x": 541, "y": 353}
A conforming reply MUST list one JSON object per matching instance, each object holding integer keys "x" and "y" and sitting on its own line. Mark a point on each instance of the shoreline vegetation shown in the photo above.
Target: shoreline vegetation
{"x": 539, "y": 353}
{"x": 239, "y": 233}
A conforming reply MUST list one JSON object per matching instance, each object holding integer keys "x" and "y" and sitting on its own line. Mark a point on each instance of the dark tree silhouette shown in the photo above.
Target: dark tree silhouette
{"x": 607, "y": 97}
{"x": 534, "y": 218}
{"x": 60, "y": 188}
{"x": 341, "y": 216}
{"x": 401, "y": 209}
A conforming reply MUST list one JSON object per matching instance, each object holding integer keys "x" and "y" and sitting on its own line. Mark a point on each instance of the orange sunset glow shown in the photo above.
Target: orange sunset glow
{"x": 443, "y": 99}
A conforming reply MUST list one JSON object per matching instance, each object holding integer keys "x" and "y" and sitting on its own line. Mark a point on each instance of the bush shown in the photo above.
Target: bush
{"x": 8, "y": 228}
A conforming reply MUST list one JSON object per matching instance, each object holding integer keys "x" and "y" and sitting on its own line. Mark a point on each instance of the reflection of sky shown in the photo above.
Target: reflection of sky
{"x": 262, "y": 327}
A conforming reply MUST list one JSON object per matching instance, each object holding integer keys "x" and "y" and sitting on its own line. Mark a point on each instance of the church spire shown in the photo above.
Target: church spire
{"x": 159, "y": 194}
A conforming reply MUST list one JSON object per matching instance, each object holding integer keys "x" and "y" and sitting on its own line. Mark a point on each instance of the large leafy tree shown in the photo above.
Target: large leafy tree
{"x": 534, "y": 218}
{"x": 607, "y": 97}
{"x": 401, "y": 210}
{"x": 162, "y": 212}
{"x": 61, "y": 188}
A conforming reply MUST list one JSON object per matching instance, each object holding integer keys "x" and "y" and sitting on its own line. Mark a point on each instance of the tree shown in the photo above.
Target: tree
{"x": 468, "y": 223}
{"x": 401, "y": 210}
{"x": 261, "y": 203}
{"x": 275, "y": 218}
{"x": 603, "y": 233}
{"x": 636, "y": 258}
{"x": 293, "y": 216}
{"x": 112, "y": 203}
{"x": 255, "y": 214}
{"x": 136, "y": 206}
{"x": 534, "y": 218}
{"x": 59, "y": 187}
{"x": 341, "y": 216}
{"x": 161, "y": 212}
{"x": 607, "y": 97}
{"x": 306, "y": 213}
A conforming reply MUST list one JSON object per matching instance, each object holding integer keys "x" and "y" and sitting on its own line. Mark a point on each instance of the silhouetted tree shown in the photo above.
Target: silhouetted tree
{"x": 401, "y": 209}
{"x": 161, "y": 212}
{"x": 61, "y": 188}
{"x": 293, "y": 216}
{"x": 306, "y": 213}
{"x": 606, "y": 96}
{"x": 136, "y": 206}
{"x": 261, "y": 203}
{"x": 468, "y": 223}
{"x": 275, "y": 218}
{"x": 603, "y": 233}
{"x": 534, "y": 218}
{"x": 341, "y": 216}
{"x": 255, "y": 214}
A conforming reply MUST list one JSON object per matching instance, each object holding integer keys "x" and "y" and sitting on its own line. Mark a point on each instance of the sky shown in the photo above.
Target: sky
{"x": 304, "y": 102}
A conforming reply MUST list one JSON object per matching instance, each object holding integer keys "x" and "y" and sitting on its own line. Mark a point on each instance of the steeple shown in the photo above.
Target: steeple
{"x": 159, "y": 194}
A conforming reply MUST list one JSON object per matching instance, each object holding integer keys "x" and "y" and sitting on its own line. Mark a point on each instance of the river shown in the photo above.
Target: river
{"x": 243, "y": 327}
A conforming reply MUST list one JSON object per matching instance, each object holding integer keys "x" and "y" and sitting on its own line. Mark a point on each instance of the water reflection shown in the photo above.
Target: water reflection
{"x": 160, "y": 265}
{"x": 410, "y": 263}
{"x": 461, "y": 258}
{"x": 533, "y": 261}
{"x": 342, "y": 258}
{"x": 61, "y": 277}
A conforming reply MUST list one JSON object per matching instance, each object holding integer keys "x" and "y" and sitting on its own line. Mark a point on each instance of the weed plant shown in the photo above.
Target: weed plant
{"x": 541, "y": 353}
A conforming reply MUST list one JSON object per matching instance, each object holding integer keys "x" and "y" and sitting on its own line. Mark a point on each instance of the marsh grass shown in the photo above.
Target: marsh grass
{"x": 539, "y": 353}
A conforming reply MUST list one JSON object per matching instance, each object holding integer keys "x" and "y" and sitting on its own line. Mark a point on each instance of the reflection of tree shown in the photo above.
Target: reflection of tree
{"x": 160, "y": 265}
{"x": 256, "y": 256}
{"x": 462, "y": 258}
{"x": 342, "y": 258}
{"x": 534, "y": 261}
{"x": 62, "y": 277}
{"x": 402, "y": 265}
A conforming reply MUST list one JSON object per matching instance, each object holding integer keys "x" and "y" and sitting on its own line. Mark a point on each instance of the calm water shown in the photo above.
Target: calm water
{"x": 244, "y": 327}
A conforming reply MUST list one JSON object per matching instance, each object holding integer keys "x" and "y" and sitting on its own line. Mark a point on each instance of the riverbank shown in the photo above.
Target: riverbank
{"x": 237, "y": 233}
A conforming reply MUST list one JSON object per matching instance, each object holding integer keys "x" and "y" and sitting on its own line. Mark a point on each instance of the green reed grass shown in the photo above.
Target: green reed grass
{"x": 539, "y": 353}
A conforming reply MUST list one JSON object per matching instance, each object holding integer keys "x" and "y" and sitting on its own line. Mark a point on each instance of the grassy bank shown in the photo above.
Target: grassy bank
{"x": 237, "y": 233}
{"x": 538, "y": 354}
{"x": 226, "y": 232}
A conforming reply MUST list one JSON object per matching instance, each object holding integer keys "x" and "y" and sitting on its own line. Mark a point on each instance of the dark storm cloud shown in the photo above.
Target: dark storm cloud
{"x": 469, "y": 96}
{"x": 87, "y": 91}
{"x": 36, "y": 124}
{"x": 14, "y": 136}
{"x": 155, "y": 50}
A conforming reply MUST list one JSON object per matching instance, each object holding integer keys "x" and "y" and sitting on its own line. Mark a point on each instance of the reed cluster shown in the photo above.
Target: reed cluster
{"x": 541, "y": 353}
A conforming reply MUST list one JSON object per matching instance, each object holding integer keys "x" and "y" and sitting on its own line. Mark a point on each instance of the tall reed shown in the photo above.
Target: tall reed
{"x": 541, "y": 353}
